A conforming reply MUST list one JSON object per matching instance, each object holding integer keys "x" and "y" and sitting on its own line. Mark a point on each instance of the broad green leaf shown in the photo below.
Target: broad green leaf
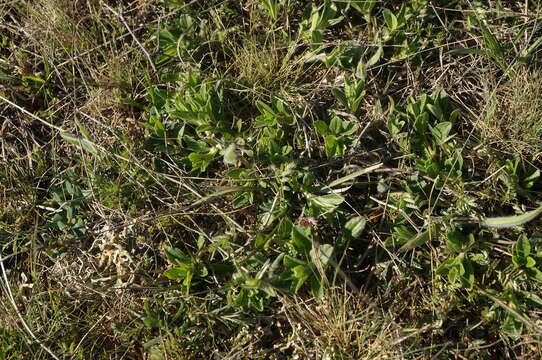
{"x": 444, "y": 268}
{"x": 178, "y": 273}
{"x": 440, "y": 132}
{"x": 321, "y": 127}
{"x": 340, "y": 96}
{"x": 327, "y": 202}
{"x": 260, "y": 240}
{"x": 535, "y": 299}
{"x": 301, "y": 274}
{"x": 284, "y": 228}
{"x": 529, "y": 180}
{"x": 195, "y": 145}
{"x": 349, "y": 127}
{"x": 390, "y": 19}
{"x": 326, "y": 251}
{"x": 511, "y": 221}
{"x": 453, "y": 274}
{"x": 466, "y": 271}
{"x": 331, "y": 145}
{"x": 416, "y": 241}
{"x": 336, "y": 125}
{"x": 177, "y": 257}
{"x": 355, "y": 226}
{"x": 83, "y": 143}
{"x": 290, "y": 262}
{"x": 200, "y": 161}
{"x": 376, "y": 57}
{"x": 363, "y": 6}
{"x": 534, "y": 273}
{"x": 530, "y": 262}
{"x": 523, "y": 247}
{"x": 241, "y": 300}
{"x": 300, "y": 239}
{"x": 436, "y": 111}
{"x": 264, "y": 108}
{"x": 151, "y": 321}
{"x": 458, "y": 242}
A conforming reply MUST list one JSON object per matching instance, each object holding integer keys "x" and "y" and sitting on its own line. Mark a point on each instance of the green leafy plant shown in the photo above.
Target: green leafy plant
{"x": 186, "y": 267}
{"x": 364, "y": 7}
{"x": 336, "y": 134}
{"x": 430, "y": 122}
{"x": 316, "y": 19}
{"x": 352, "y": 95}
{"x": 69, "y": 217}
{"x": 272, "y": 7}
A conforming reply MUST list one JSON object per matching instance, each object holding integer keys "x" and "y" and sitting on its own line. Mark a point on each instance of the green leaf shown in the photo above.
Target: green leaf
{"x": 523, "y": 247}
{"x": 260, "y": 240}
{"x": 284, "y": 228}
{"x": 354, "y": 227}
{"x": 535, "y": 299}
{"x": 317, "y": 286}
{"x": 264, "y": 108}
{"x": 241, "y": 300}
{"x": 326, "y": 251}
{"x": 458, "y": 242}
{"x": 178, "y": 273}
{"x": 300, "y": 239}
{"x": 195, "y": 145}
{"x": 230, "y": 155}
{"x": 349, "y": 128}
{"x": 390, "y": 19}
{"x": 445, "y": 267}
{"x": 529, "y": 180}
{"x": 530, "y": 262}
{"x": 418, "y": 240}
{"x": 326, "y": 202}
{"x": 440, "y": 132}
{"x": 200, "y": 161}
{"x": 511, "y": 221}
{"x": 453, "y": 274}
{"x": 336, "y": 125}
{"x": 340, "y": 96}
{"x": 331, "y": 145}
{"x": 466, "y": 271}
{"x": 80, "y": 142}
{"x": 321, "y": 127}
{"x": 363, "y": 6}
{"x": 376, "y": 57}
{"x": 534, "y": 273}
{"x": 301, "y": 273}
{"x": 177, "y": 257}
{"x": 290, "y": 262}
{"x": 151, "y": 321}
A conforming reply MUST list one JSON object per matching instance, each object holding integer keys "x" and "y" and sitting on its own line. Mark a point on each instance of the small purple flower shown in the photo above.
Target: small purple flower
{"x": 308, "y": 221}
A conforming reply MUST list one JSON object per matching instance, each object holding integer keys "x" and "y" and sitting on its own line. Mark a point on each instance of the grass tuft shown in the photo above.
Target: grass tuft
{"x": 511, "y": 121}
